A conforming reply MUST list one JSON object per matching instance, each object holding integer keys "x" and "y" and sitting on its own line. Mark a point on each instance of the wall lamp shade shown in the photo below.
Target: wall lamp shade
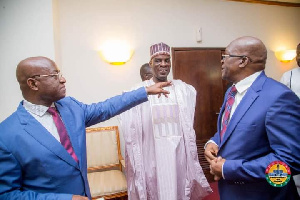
{"x": 285, "y": 55}
{"x": 116, "y": 52}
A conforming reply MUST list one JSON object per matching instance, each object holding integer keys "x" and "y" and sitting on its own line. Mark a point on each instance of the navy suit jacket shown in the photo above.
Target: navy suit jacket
{"x": 34, "y": 165}
{"x": 265, "y": 127}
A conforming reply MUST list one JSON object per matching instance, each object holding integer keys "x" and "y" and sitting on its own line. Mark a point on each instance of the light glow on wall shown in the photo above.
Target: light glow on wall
{"x": 115, "y": 52}
{"x": 285, "y": 55}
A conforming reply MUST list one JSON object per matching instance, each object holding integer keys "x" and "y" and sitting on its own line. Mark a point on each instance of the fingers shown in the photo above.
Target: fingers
{"x": 216, "y": 167}
{"x": 165, "y": 91}
{"x": 158, "y": 89}
{"x": 219, "y": 158}
{"x": 210, "y": 170}
{"x": 217, "y": 178}
{"x": 78, "y": 197}
{"x": 165, "y": 84}
{"x": 209, "y": 156}
{"x": 210, "y": 152}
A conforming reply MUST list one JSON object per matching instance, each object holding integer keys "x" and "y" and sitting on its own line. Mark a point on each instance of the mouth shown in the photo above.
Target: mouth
{"x": 163, "y": 71}
{"x": 63, "y": 88}
{"x": 222, "y": 68}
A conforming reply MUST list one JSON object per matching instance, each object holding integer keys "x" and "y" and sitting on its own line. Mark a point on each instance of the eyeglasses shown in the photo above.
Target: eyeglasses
{"x": 237, "y": 56}
{"x": 58, "y": 75}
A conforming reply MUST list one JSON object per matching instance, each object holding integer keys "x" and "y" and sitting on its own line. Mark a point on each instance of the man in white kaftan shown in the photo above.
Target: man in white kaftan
{"x": 160, "y": 144}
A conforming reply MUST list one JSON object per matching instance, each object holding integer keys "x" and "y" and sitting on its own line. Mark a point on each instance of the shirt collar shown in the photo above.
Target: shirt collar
{"x": 39, "y": 110}
{"x": 244, "y": 84}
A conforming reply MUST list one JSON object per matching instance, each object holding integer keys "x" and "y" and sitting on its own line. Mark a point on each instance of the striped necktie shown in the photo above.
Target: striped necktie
{"x": 228, "y": 106}
{"x": 61, "y": 129}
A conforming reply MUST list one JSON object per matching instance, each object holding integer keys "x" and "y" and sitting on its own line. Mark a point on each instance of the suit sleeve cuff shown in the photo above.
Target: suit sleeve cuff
{"x": 231, "y": 168}
{"x": 144, "y": 91}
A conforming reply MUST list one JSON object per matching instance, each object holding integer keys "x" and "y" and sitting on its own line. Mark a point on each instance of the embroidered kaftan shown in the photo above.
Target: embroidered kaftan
{"x": 160, "y": 149}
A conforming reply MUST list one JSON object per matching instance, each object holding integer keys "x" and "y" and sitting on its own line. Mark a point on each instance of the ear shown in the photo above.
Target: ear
{"x": 243, "y": 62}
{"x": 32, "y": 83}
{"x": 150, "y": 63}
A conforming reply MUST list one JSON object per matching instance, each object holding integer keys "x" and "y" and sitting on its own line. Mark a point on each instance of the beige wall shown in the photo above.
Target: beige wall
{"x": 85, "y": 25}
{"x": 81, "y": 26}
{"x": 26, "y": 29}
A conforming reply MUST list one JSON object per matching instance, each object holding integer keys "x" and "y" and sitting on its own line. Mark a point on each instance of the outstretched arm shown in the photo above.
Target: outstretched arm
{"x": 102, "y": 111}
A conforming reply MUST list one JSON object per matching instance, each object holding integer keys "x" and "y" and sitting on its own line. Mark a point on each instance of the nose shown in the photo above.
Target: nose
{"x": 164, "y": 63}
{"x": 62, "y": 79}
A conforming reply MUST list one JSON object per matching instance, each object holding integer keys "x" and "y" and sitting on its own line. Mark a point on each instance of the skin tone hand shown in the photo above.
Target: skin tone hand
{"x": 78, "y": 197}
{"x": 216, "y": 167}
{"x": 211, "y": 151}
{"x": 157, "y": 88}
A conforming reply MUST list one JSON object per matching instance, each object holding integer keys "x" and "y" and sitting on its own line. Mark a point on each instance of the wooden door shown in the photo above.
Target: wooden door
{"x": 201, "y": 68}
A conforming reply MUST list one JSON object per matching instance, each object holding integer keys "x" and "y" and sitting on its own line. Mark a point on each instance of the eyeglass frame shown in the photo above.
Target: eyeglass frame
{"x": 58, "y": 74}
{"x": 235, "y": 56}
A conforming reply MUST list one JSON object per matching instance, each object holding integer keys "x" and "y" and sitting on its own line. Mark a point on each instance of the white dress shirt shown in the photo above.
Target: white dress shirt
{"x": 291, "y": 79}
{"x": 241, "y": 87}
{"x": 39, "y": 112}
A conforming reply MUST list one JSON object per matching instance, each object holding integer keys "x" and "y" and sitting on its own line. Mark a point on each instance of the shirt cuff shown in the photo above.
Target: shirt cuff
{"x": 223, "y": 171}
{"x": 209, "y": 141}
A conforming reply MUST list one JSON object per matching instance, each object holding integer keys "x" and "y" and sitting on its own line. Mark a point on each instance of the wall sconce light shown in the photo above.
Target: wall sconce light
{"x": 285, "y": 55}
{"x": 116, "y": 52}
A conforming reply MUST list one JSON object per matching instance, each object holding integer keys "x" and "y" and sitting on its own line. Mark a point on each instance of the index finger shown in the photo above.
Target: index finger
{"x": 164, "y": 84}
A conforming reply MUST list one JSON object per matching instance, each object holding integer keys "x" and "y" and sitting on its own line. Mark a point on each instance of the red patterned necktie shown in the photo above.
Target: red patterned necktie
{"x": 61, "y": 129}
{"x": 228, "y": 106}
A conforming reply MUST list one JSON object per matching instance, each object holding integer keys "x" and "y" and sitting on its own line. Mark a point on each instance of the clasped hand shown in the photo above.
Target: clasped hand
{"x": 215, "y": 162}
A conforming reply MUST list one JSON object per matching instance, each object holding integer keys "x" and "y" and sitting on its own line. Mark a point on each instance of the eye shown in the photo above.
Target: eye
{"x": 54, "y": 75}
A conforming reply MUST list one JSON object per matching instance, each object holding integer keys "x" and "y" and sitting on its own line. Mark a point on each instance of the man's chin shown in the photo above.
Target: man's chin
{"x": 162, "y": 78}
{"x": 61, "y": 97}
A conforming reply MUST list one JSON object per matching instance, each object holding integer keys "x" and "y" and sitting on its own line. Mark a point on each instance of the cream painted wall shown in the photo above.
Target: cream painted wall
{"x": 26, "y": 29}
{"x": 80, "y": 27}
{"x": 85, "y": 24}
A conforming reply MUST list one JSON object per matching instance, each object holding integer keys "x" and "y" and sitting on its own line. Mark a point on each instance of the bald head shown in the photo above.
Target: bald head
{"x": 40, "y": 81}
{"x": 32, "y": 66}
{"x": 146, "y": 72}
{"x": 245, "y": 56}
{"x": 252, "y": 47}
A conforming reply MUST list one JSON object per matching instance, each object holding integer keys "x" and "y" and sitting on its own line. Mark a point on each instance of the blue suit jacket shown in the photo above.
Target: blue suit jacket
{"x": 34, "y": 165}
{"x": 265, "y": 127}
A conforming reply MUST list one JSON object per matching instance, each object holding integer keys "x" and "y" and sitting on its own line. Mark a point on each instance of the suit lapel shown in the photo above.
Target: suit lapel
{"x": 68, "y": 124}
{"x": 39, "y": 133}
{"x": 251, "y": 95}
{"x": 219, "y": 123}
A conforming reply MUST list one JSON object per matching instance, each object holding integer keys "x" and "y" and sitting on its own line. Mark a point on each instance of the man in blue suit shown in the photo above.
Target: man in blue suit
{"x": 33, "y": 162}
{"x": 263, "y": 126}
